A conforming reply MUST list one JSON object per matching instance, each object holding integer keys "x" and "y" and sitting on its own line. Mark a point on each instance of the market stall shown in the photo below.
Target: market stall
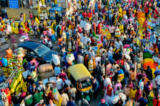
{"x": 52, "y": 12}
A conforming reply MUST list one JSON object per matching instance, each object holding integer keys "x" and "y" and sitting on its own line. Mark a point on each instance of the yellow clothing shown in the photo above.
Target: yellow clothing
{"x": 132, "y": 94}
{"x": 42, "y": 1}
{"x": 120, "y": 12}
{"x": 123, "y": 13}
{"x": 129, "y": 103}
{"x": 121, "y": 28}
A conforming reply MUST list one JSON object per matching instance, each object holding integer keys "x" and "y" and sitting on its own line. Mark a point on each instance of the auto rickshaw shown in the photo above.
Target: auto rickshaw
{"x": 81, "y": 78}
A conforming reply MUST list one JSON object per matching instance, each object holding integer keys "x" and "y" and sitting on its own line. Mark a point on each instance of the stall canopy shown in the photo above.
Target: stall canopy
{"x": 55, "y": 8}
{"x": 79, "y": 72}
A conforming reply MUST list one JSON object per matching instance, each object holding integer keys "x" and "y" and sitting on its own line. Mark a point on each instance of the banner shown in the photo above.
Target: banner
{"x": 13, "y": 3}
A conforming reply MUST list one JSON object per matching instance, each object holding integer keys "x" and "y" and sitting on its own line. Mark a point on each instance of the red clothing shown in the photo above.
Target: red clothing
{"x": 94, "y": 27}
{"x": 2, "y": 29}
{"x": 89, "y": 15}
{"x": 156, "y": 14}
{"x": 102, "y": 38}
{"x": 69, "y": 22}
{"x": 92, "y": 41}
{"x": 146, "y": 9}
{"x": 84, "y": 14}
{"x": 86, "y": 62}
{"x": 99, "y": 28}
{"x": 135, "y": 3}
{"x": 156, "y": 102}
{"x": 31, "y": 16}
{"x": 145, "y": 24}
{"x": 138, "y": 94}
{"x": 109, "y": 92}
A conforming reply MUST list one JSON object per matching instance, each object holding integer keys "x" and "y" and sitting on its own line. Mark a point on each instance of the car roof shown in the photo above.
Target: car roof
{"x": 30, "y": 45}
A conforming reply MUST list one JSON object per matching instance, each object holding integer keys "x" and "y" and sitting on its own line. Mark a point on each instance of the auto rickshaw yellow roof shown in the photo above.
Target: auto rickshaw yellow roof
{"x": 79, "y": 72}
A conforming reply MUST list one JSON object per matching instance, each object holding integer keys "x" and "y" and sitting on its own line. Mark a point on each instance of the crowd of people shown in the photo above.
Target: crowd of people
{"x": 124, "y": 43}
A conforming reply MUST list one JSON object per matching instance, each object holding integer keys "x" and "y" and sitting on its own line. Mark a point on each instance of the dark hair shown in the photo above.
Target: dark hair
{"x": 28, "y": 93}
{"x": 144, "y": 94}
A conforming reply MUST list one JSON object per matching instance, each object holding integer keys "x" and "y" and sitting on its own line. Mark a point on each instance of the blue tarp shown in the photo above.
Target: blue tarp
{"x": 55, "y": 8}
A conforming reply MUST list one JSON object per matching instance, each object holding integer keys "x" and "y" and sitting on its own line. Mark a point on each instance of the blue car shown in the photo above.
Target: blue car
{"x": 42, "y": 53}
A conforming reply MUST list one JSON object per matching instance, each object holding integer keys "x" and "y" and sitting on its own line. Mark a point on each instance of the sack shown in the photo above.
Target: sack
{"x": 45, "y": 68}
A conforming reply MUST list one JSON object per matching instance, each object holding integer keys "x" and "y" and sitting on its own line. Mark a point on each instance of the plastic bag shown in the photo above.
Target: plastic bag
{"x": 56, "y": 59}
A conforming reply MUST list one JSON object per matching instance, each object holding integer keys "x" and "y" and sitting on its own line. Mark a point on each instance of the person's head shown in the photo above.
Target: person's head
{"x": 72, "y": 86}
{"x": 43, "y": 104}
{"x": 132, "y": 69}
{"x": 35, "y": 70}
{"x": 29, "y": 77}
{"x": 118, "y": 68}
{"x": 130, "y": 81}
{"x": 57, "y": 76}
{"x": 156, "y": 95}
{"x": 118, "y": 88}
{"x": 107, "y": 62}
{"x": 26, "y": 63}
{"x": 144, "y": 95}
{"x": 149, "y": 82}
{"x": 14, "y": 93}
{"x": 94, "y": 81}
{"x": 137, "y": 88}
{"x": 36, "y": 90}
{"x": 148, "y": 67}
{"x": 99, "y": 62}
{"x": 103, "y": 101}
{"x": 63, "y": 92}
{"x": 34, "y": 85}
{"x": 40, "y": 83}
{"x": 28, "y": 93}
{"x": 62, "y": 71}
{"x": 28, "y": 84}
{"x": 71, "y": 99}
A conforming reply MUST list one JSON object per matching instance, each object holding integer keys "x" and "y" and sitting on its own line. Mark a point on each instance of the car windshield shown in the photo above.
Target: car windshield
{"x": 42, "y": 50}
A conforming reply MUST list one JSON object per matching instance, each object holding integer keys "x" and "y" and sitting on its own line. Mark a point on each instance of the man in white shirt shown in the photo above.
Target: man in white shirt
{"x": 59, "y": 83}
{"x": 84, "y": 39}
{"x": 72, "y": 92}
{"x": 92, "y": 53}
{"x": 45, "y": 16}
{"x": 80, "y": 58}
{"x": 110, "y": 52}
{"x": 65, "y": 98}
{"x": 118, "y": 44}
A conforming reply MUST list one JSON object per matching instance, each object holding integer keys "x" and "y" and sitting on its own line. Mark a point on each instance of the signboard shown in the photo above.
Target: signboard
{"x": 13, "y": 3}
